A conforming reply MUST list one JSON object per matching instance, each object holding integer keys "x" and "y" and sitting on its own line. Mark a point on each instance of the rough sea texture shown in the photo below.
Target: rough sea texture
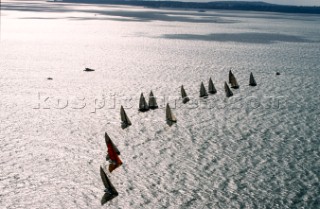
{"x": 258, "y": 149}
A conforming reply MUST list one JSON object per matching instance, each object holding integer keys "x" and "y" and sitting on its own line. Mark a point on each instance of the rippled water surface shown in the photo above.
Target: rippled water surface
{"x": 257, "y": 149}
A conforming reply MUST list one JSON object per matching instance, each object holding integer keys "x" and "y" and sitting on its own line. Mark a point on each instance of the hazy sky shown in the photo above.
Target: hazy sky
{"x": 287, "y": 2}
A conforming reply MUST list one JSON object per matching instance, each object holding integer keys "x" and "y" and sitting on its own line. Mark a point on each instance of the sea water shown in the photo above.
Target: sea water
{"x": 257, "y": 149}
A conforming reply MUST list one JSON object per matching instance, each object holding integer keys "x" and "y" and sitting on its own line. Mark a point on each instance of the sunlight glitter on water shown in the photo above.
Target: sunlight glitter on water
{"x": 258, "y": 149}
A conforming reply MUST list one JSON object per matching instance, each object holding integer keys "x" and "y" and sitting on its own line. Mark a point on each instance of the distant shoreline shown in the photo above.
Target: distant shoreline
{"x": 203, "y": 6}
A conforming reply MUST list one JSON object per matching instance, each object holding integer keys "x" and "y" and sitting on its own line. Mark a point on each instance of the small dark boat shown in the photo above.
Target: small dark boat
{"x": 88, "y": 69}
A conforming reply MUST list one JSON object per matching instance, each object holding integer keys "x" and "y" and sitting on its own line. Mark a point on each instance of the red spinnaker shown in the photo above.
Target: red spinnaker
{"x": 115, "y": 160}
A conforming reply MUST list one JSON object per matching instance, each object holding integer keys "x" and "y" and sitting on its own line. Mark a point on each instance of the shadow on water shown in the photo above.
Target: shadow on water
{"x": 139, "y": 14}
{"x": 145, "y": 16}
{"x": 254, "y": 38}
{"x": 109, "y": 12}
{"x": 126, "y": 13}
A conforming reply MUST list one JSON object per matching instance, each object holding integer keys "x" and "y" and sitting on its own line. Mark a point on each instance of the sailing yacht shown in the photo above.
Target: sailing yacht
{"x": 233, "y": 82}
{"x": 152, "y": 101}
{"x": 212, "y": 89}
{"x": 252, "y": 81}
{"x": 227, "y": 90}
{"x": 110, "y": 191}
{"x": 143, "y": 106}
{"x": 124, "y": 118}
{"x": 203, "y": 91}
{"x": 184, "y": 96}
{"x": 109, "y": 141}
{"x": 169, "y": 115}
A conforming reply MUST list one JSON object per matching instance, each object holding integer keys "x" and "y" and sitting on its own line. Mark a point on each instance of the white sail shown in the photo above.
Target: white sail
{"x": 152, "y": 101}
{"x": 252, "y": 81}
{"x": 184, "y": 96}
{"x": 143, "y": 106}
{"x": 212, "y": 89}
{"x": 227, "y": 90}
{"x": 203, "y": 91}
{"x": 169, "y": 115}
{"x": 124, "y": 118}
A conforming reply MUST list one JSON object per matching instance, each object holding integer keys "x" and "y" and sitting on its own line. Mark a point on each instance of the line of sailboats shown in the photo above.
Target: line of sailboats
{"x": 113, "y": 152}
{"x": 152, "y": 104}
{"x": 114, "y": 162}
